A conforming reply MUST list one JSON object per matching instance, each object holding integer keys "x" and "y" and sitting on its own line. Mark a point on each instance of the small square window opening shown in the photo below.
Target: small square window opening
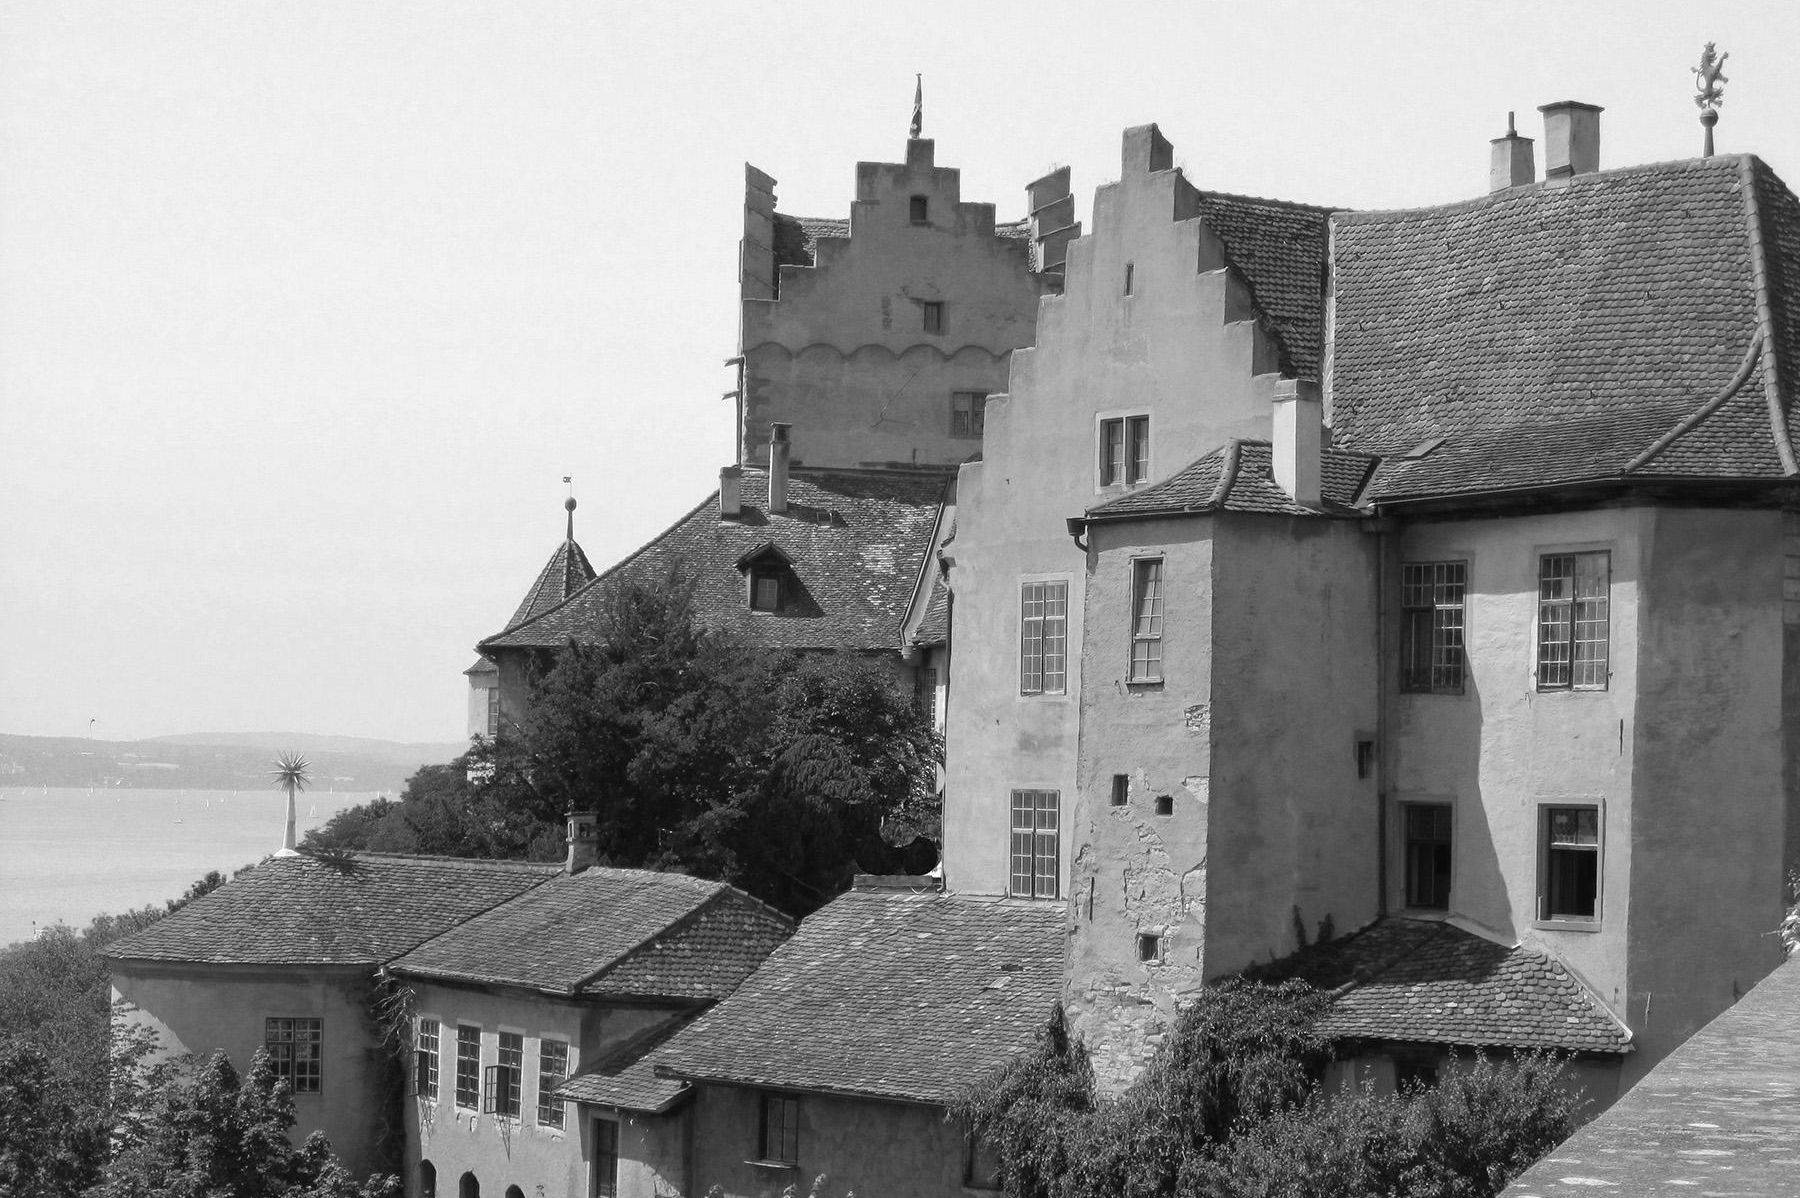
{"x": 919, "y": 209}
{"x": 1149, "y": 947}
{"x": 1121, "y": 789}
{"x": 1165, "y": 804}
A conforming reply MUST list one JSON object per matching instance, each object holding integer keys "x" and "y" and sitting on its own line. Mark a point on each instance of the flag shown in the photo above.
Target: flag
{"x": 918, "y": 104}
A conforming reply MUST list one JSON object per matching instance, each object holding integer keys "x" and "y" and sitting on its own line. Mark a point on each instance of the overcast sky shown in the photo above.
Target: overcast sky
{"x": 307, "y": 307}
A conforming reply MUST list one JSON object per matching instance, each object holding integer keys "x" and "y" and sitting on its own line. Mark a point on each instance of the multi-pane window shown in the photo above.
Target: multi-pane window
{"x": 493, "y": 711}
{"x": 606, "y": 1158}
{"x": 553, "y": 1070}
{"x": 296, "y": 1052}
{"x": 1146, "y": 619}
{"x": 1570, "y": 886}
{"x": 967, "y": 413}
{"x": 780, "y": 1129}
{"x": 1428, "y": 855}
{"x": 425, "y": 1059}
{"x": 925, "y": 695}
{"x": 933, "y": 316}
{"x": 1431, "y": 632}
{"x": 468, "y": 1066}
{"x": 504, "y": 1081}
{"x": 1034, "y": 843}
{"x": 765, "y": 590}
{"x": 1044, "y": 638}
{"x": 1573, "y": 613}
{"x": 1124, "y": 450}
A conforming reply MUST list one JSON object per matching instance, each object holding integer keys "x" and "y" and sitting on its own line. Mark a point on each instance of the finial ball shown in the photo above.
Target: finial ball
{"x": 569, "y": 504}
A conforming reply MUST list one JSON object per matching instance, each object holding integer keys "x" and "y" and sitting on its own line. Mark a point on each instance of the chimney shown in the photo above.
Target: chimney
{"x": 1294, "y": 454}
{"x": 731, "y": 492}
{"x": 1571, "y": 140}
{"x": 584, "y": 841}
{"x": 1511, "y": 162}
{"x": 779, "y": 448}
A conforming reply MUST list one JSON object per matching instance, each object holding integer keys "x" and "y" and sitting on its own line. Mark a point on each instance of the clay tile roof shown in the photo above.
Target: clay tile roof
{"x": 886, "y": 994}
{"x": 626, "y": 1077}
{"x": 1638, "y": 321}
{"x": 1434, "y": 983}
{"x": 620, "y": 932}
{"x": 301, "y": 910}
{"x": 1280, "y": 251}
{"x": 856, "y": 541}
{"x": 934, "y": 625}
{"x": 1236, "y": 477}
{"x": 566, "y": 572}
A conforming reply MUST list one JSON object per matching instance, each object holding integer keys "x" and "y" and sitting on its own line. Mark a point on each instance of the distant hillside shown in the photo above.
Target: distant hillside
{"x": 217, "y": 761}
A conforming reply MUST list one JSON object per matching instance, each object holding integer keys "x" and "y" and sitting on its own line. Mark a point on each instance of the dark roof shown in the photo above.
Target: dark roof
{"x": 1236, "y": 477}
{"x": 1431, "y": 982}
{"x": 301, "y": 910}
{"x": 566, "y": 572}
{"x": 886, "y": 994}
{"x": 1720, "y": 1114}
{"x": 1619, "y": 326}
{"x": 857, "y": 541}
{"x": 626, "y": 1077}
{"x": 934, "y": 625}
{"x": 619, "y": 932}
{"x": 1280, "y": 251}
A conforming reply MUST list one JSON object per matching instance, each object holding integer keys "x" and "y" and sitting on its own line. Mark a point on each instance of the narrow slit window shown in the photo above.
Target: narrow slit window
{"x": 1129, "y": 271}
{"x": 1146, "y": 619}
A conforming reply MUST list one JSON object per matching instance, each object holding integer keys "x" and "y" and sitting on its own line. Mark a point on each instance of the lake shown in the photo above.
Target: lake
{"x": 69, "y": 855}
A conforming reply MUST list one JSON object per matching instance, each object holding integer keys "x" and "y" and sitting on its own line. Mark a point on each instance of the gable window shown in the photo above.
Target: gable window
{"x": 1574, "y": 597}
{"x": 1431, "y": 630}
{"x": 500, "y": 1090}
{"x": 780, "y": 1130}
{"x": 1569, "y": 879}
{"x": 933, "y": 316}
{"x": 606, "y": 1158}
{"x": 918, "y": 209}
{"x": 553, "y": 1070}
{"x": 296, "y": 1052}
{"x": 966, "y": 413}
{"x": 1043, "y": 638}
{"x": 1146, "y": 619}
{"x": 425, "y": 1059}
{"x": 1428, "y": 855}
{"x": 468, "y": 1066}
{"x": 1124, "y": 450}
{"x": 1034, "y": 843}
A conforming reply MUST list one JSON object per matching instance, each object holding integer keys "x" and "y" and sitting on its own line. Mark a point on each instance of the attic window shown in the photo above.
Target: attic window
{"x": 919, "y": 209}
{"x": 765, "y": 588}
{"x": 768, "y": 577}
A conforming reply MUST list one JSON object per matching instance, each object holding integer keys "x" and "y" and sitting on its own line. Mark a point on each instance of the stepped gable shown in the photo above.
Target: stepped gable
{"x": 615, "y": 932}
{"x": 856, "y": 541}
{"x": 626, "y": 1077}
{"x": 566, "y": 572}
{"x": 898, "y": 995}
{"x": 1636, "y": 323}
{"x": 1237, "y": 477}
{"x": 797, "y": 237}
{"x": 1432, "y": 982}
{"x": 1279, "y": 249}
{"x": 364, "y": 909}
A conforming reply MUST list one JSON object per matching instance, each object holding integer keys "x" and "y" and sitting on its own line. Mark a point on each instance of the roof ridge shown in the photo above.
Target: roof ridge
{"x": 1765, "y": 316}
{"x": 678, "y": 922}
{"x": 511, "y": 864}
{"x": 465, "y": 919}
{"x": 1296, "y": 205}
{"x": 1515, "y": 194}
{"x": 1228, "y": 471}
{"x": 1694, "y": 419}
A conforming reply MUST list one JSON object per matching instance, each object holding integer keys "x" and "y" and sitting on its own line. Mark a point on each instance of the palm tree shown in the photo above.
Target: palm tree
{"x": 291, "y": 773}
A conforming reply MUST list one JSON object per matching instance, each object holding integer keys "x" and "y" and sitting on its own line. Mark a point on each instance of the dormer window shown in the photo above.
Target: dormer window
{"x": 919, "y": 208}
{"x": 765, "y": 590}
{"x": 768, "y": 575}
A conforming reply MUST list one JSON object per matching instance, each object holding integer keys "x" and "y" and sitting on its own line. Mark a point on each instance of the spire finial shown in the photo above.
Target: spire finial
{"x": 569, "y": 505}
{"x": 918, "y": 124}
{"x": 1710, "y": 79}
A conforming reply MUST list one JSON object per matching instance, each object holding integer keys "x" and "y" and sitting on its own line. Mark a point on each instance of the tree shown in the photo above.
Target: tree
{"x": 291, "y": 773}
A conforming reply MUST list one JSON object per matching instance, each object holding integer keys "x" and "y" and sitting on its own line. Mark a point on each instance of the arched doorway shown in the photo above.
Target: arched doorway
{"x": 468, "y": 1187}
{"x": 427, "y": 1180}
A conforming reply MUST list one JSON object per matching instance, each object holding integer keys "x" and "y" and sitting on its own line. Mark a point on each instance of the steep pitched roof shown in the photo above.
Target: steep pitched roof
{"x": 618, "y": 932}
{"x": 1280, "y": 250}
{"x": 934, "y": 625}
{"x": 1634, "y": 323}
{"x": 1434, "y": 983}
{"x": 566, "y": 572}
{"x": 887, "y": 994}
{"x": 301, "y": 910}
{"x": 626, "y": 1077}
{"x": 856, "y": 541}
{"x": 1237, "y": 477}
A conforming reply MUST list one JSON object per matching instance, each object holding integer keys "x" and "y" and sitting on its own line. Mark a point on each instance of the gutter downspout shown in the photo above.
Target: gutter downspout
{"x": 1381, "y": 723}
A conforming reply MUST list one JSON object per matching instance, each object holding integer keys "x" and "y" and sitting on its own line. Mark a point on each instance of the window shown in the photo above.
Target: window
{"x": 1124, "y": 450}
{"x": 425, "y": 1059}
{"x": 1573, "y": 599}
{"x": 468, "y": 1066}
{"x": 918, "y": 208}
{"x": 1129, "y": 271}
{"x": 427, "y": 1180}
{"x": 1414, "y": 1073}
{"x": 1146, "y": 619}
{"x": 765, "y": 589}
{"x": 982, "y": 1171}
{"x": 1365, "y": 758}
{"x": 1044, "y": 638}
{"x": 1149, "y": 947}
{"x": 1034, "y": 843}
{"x": 1428, "y": 855}
{"x": 1121, "y": 790}
{"x": 1431, "y": 631}
{"x": 1165, "y": 804}
{"x": 925, "y": 695}
{"x": 1570, "y": 883}
{"x": 296, "y": 1051}
{"x": 780, "y": 1130}
{"x": 933, "y": 316}
{"x": 553, "y": 1070}
{"x": 606, "y": 1159}
{"x": 493, "y": 711}
{"x": 967, "y": 413}
{"x": 502, "y": 1083}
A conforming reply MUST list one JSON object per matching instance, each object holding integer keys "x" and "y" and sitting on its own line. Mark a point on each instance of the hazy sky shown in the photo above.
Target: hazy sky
{"x": 307, "y": 307}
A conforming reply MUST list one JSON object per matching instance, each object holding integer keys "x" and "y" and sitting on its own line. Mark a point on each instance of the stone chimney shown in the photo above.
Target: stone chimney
{"x": 1294, "y": 453}
{"x": 1511, "y": 162}
{"x": 584, "y": 841}
{"x": 779, "y": 449}
{"x": 1571, "y": 140}
{"x": 731, "y": 492}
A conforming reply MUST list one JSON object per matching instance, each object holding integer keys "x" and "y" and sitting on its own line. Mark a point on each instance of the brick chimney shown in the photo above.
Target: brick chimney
{"x": 1511, "y": 162}
{"x": 584, "y": 841}
{"x": 1571, "y": 140}
{"x": 779, "y": 449}
{"x": 731, "y": 492}
{"x": 1294, "y": 453}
